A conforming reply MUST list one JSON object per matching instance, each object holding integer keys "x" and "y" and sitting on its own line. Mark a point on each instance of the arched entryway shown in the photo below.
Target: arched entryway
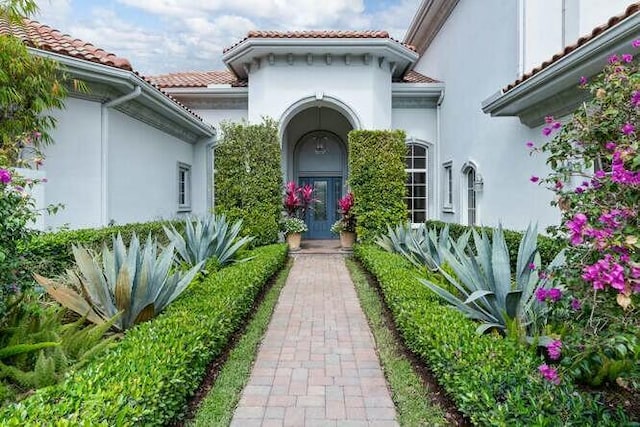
{"x": 315, "y": 152}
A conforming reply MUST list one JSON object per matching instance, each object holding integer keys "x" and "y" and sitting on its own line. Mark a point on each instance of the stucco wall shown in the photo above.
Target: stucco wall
{"x": 143, "y": 170}
{"x": 475, "y": 54}
{"x": 72, "y": 166}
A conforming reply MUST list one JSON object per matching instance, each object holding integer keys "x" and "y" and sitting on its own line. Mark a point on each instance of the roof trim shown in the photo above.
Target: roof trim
{"x": 427, "y": 23}
{"x": 554, "y": 88}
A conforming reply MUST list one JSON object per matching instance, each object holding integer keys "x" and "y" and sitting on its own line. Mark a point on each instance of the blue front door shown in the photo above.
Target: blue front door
{"x": 324, "y": 213}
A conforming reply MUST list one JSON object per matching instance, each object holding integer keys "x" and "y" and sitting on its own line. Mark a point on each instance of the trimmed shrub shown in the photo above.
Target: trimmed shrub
{"x": 548, "y": 247}
{"x": 493, "y": 381}
{"x": 377, "y": 179}
{"x": 50, "y": 254}
{"x": 147, "y": 377}
{"x": 248, "y": 178}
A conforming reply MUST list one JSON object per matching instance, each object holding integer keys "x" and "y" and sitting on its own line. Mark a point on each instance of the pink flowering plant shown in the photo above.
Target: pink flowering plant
{"x": 347, "y": 221}
{"x": 298, "y": 199}
{"x": 595, "y": 163}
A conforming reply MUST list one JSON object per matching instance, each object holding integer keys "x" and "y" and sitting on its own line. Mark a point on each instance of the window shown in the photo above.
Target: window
{"x": 447, "y": 187}
{"x": 417, "y": 197}
{"x": 184, "y": 187}
{"x": 471, "y": 196}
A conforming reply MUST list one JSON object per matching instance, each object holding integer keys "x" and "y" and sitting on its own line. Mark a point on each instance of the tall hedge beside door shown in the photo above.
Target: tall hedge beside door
{"x": 248, "y": 178}
{"x": 377, "y": 178}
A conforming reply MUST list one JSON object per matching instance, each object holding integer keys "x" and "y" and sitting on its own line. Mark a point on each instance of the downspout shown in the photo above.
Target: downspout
{"x": 210, "y": 159}
{"x": 104, "y": 150}
{"x": 437, "y": 175}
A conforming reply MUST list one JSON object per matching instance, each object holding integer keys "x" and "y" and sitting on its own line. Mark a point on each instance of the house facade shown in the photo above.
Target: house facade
{"x": 459, "y": 84}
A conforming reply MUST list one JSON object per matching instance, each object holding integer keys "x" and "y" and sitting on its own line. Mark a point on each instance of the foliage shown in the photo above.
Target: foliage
{"x": 15, "y": 10}
{"x": 248, "y": 178}
{"x": 595, "y": 174}
{"x": 377, "y": 179}
{"x": 51, "y": 254}
{"x": 493, "y": 381}
{"x": 135, "y": 283}
{"x": 293, "y": 225}
{"x": 347, "y": 221}
{"x": 146, "y": 378}
{"x": 423, "y": 247}
{"x": 37, "y": 347}
{"x": 211, "y": 237}
{"x": 298, "y": 199}
{"x": 484, "y": 283}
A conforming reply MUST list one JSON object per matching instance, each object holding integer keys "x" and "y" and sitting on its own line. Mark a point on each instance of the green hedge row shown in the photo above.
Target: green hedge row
{"x": 49, "y": 254}
{"x": 547, "y": 246}
{"x": 148, "y": 376}
{"x": 493, "y": 381}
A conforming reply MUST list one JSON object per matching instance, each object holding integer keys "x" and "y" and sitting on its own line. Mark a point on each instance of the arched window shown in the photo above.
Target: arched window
{"x": 417, "y": 195}
{"x": 471, "y": 183}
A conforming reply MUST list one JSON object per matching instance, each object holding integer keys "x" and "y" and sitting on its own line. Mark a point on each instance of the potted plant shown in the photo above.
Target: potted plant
{"x": 293, "y": 228}
{"x": 346, "y": 225}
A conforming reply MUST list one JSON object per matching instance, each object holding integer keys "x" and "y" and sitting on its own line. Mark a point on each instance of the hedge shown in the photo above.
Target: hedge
{"x": 50, "y": 254}
{"x": 377, "y": 178}
{"x": 148, "y": 376}
{"x": 493, "y": 381}
{"x": 248, "y": 178}
{"x": 548, "y": 247}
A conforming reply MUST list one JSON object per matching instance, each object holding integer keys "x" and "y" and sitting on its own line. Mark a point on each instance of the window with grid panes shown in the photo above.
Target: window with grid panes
{"x": 417, "y": 196}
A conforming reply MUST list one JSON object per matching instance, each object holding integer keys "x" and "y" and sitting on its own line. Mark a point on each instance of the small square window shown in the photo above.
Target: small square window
{"x": 447, "y": 187}
{"x": 184, "y": 187}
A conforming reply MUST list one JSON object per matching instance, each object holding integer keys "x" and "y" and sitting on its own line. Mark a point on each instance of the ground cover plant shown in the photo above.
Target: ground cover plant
{"x": 146, "y": 378}
{"x": 595, "y": 174}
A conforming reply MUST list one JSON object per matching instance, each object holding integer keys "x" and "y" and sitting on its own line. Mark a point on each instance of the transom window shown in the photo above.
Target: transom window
{"x": 184, "y": 187}
{"x": 417, "y": 196}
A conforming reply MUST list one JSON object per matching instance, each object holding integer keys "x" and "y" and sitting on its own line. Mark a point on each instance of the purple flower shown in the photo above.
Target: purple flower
{"x": 628, "y": 128}
{"x": 576, "y": 304}
{"x": 627, "y": 57}
{"x": 530, "y": 144}
{"x": 600, "y": 174}
{"x": 547, "y": 131}
{"x": 556, "y": 125}
{"x": 534, "y": 178}
{"x": 579, "y": 190}
{"x": 554, "y": 349}
{"x": 576, "y": 227}
{"x": 583, "y": 81}
{"x": 549, "y": 373}
{"x": 559, "y": 185}
{"x": 636, "y": 43}
{"x": 613, "y": 59}
{"x": 610, "y": 146}
{"x": 635, "y": 98}
{"x": 5, "y": 176}
{"x": 549, "y": 119}
{"x": 554, "y": 294}
{"x": 541, "y": 294}
{"x": 532, "y": 266}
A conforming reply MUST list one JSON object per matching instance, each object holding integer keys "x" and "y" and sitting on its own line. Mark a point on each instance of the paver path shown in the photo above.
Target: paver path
{"x": 317, "y": 365}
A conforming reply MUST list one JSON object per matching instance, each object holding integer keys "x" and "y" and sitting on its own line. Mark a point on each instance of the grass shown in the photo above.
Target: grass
{"x": 217, "y": 408}
{"x": 412, "y": 397}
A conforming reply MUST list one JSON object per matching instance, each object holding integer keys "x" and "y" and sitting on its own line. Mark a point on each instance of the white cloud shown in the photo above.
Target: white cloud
{"x": 176, "y": 37}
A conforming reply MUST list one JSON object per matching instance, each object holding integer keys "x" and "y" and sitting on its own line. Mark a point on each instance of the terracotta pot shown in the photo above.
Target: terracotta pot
{"x": 293, "y": 240}
{"x": 347, "y": 239}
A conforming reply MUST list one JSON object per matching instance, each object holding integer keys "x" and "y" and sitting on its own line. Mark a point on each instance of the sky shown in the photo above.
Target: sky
{"x": 164, "y": 36}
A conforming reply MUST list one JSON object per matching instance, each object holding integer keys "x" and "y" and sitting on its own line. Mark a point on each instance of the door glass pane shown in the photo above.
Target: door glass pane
{"x": 337, "y": 191}
{"x": 320, "y": 213}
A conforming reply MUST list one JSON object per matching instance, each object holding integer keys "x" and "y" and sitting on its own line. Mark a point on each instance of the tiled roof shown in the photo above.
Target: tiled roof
{"x": 612, "y": 22}
{"x": 43, "y": 37}
{"x": 317, "y": 34}
{"x": 197, "y": 79}
{"x": 40, "y": 36}
{"x": 415, "y": 77}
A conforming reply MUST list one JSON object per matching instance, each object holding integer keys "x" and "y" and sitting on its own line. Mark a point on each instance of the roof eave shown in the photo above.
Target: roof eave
{"x": 427, "y": 22}
{"x": 251, "y": 48}
{"x": 555, "y": 88}
{"x": 128, "y": 80}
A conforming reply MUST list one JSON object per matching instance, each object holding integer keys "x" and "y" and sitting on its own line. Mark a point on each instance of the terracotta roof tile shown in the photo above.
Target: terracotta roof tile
{"x": 40, "y": 36}
{"x": 612, "y": 22}
{"x": 197, "y": 79}
{"x": 415, "y": 77}
{"x": 318, "y": 34}
{"x": 43, "y": 37}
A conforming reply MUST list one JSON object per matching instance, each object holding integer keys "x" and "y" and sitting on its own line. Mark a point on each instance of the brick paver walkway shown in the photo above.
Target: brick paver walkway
{"x": 317, "y": 365}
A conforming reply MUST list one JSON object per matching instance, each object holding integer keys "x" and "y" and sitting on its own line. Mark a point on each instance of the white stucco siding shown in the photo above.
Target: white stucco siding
{"x": 475, "y": 54}
{"x": 214, "y": 117}
{"x": 73, "y": 166}
{"x": 366, "y": 89}
{"x": 142, "y": 166}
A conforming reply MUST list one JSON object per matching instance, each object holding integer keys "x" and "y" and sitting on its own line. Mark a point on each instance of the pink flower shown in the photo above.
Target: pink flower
{"x": 628, "y": 128}
{"x": 37, "y": 135}
{"x": 610, "y": 146}
{"x": 530, "y": 144}
{"x": 576, "y": 304}
{"x": 549, "y": 373}
{"x": 541, "y": 294}
{"x": 554, "y": 294}
{"x": 547, "y": 131}
{"x": 346, "y": 203}
{"x": 636, "y": 43}
{"x": 613, "y": 59}
{"x": 534, "y": 179}
{"x": 635, "y": 98}
{"x": 5, "y": 176}
{"x": 554, "y": 349}
{"x": 576, "y": 227}
{"x": 532, "y": 266}
{"x": 549, "y": 119}
{"x": 559, "y": 185}
{"x": 605, "y": 272}
{"x": 583, "y": 81}
{"x": 627, "y": 57}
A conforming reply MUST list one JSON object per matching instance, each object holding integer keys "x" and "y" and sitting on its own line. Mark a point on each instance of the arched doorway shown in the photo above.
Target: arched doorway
{"x": 315, "y": 149}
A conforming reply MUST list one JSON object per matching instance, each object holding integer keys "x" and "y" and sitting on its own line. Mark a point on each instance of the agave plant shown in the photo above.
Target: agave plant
{"x": 487, "y": 291}
{"x": 421, "y": 246}
{"x": 210, "y": 237}
{"x": 135, "y": 282}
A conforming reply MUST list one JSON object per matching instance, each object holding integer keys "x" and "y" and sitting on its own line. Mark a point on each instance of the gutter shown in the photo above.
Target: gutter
{"x": 104, "y": 150}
